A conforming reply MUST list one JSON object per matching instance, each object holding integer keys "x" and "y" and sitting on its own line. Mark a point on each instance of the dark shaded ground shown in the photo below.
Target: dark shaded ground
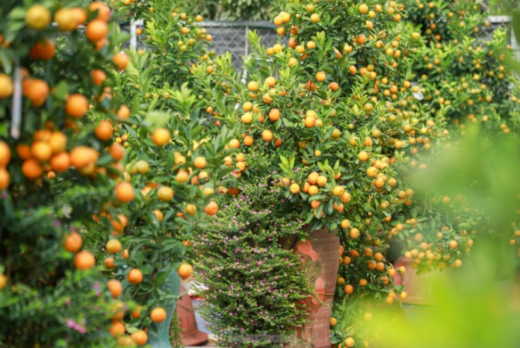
{"x": 207, "y": 345}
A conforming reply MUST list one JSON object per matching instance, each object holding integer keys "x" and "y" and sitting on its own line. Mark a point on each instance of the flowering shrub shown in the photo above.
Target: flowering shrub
{"x": 254, "y": 285}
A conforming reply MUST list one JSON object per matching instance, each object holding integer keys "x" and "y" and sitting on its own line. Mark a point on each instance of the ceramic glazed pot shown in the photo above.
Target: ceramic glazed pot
{"x": 191, "y": 336}
{"x": 323, "y": 249}
{"x": 159, "y": 334}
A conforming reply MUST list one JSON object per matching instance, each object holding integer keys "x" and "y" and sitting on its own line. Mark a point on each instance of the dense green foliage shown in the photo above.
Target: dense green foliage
{"x": 129, "y": 164}
{"x": 461, "y": 75}
{"x": 251, "y": 10}
{"x": 45, "y": 301}
{"x": 91, "y": 236}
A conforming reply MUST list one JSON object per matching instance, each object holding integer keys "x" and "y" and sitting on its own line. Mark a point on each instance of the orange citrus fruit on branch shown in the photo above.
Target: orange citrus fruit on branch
{"x": 4, "y": 178}
{"x": 161, "y": 137}
{"x": 104, "y": 130}
{"x": 121, "y": 60}
{"x": 31, "y": 169}
{"x": 140, "y": 337}
{"x": 96, "y": 31}
{"x": 6, "y": 86}
{"x": 114, "y": 246}
{"x": 98, "y": 77}
{"x": 211, "y": 209}
{"x": 103, "y": 11}
{"x": 38, "y": 17}
{"x": 73, "y": 242}
{"x": 165, "y": 194}
{"x": 66, "y": 19}
{"x": 5, "y": 154}
{"x": 124, "y": 192}
{"x": 115, "y": 287}
{"x": 185, "y": 271}
{"x": 84, "y": 260}
{"x": 43, "y": 50}
{"x": 36, "y": 91}
{"x": 77, "y": 106}
{"x": 116, "y": 151}
{"x": 158, "y": 315}
{"x": 110, "y": 263}
{"x": 117, "y": 329}
{"x": 135, "y": 276}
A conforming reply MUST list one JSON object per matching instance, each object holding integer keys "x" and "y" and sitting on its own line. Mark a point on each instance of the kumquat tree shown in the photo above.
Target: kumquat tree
{"x": 284, "y": 192}
{"x": 338, "y": 114}
{"x": 91, "y": 182}
{"x": 54, "y": 176}
{"x": 460, "y": 71}
{"x": 173, "y": 38}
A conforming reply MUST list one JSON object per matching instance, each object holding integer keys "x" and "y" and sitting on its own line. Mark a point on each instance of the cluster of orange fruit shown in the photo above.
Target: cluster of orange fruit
{"x": 439, "y": 252}
{"x": 380, "y": 61}
{"x": 46, "y": 152}
{"x": 375, "y": 261}
{"x": 5, "y": 157}
{"x": 475, "y": 81}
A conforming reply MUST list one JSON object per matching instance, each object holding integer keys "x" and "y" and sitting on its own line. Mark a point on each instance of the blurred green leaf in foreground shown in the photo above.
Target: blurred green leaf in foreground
{"x": 477, "y": 305}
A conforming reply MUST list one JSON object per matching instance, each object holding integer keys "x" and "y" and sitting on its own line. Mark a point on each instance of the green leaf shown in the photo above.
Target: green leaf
{"x": 61, "y": 91}
{"x": 18, "y": 13}
{"x": 104, "y": 160}
{"x": 516, "y": 24}
{"x": 6, "y": 62}
{"x": 132, "y": 132}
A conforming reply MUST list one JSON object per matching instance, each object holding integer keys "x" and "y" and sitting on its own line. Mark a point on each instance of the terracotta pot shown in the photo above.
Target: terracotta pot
{"x": 418, "y": 287}
{"x": 191, "y": 336}
{"x": 323, "y": 248}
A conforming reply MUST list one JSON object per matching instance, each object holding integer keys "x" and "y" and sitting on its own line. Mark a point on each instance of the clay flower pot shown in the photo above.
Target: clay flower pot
{"x": 323, "y": 249}
{"x": 191, "y": 336}
{"x": 418, "y": 287}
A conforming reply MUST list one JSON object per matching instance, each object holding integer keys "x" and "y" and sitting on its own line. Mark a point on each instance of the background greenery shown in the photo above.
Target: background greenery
{"x": 501, "y": 7}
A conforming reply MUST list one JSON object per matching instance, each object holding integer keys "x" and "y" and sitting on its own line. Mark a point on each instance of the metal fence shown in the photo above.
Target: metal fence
{"x": 496, "y": 22}
{"x": 506, "y": 23}
{"x": 227, "y": 37}
{"x": 232, "y": 36}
